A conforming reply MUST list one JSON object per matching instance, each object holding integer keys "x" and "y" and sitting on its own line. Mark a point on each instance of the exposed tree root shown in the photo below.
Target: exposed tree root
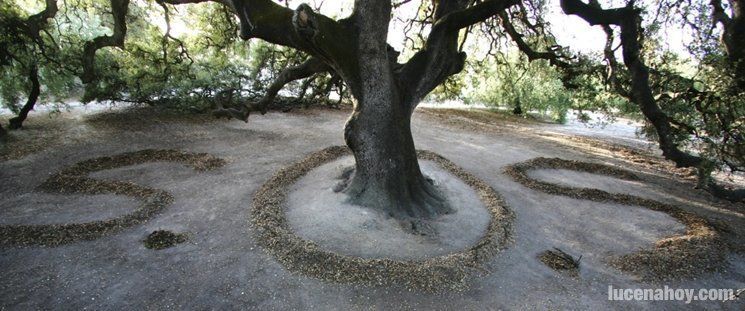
{"x": 423, "y": 203}
{"x": 73, "y": 179}
{"x": 442, "y": 272}
{"x": 420, "y": 200}
{"x": 700, "y": 249}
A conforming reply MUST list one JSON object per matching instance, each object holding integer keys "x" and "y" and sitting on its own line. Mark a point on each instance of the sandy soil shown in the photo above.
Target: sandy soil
{"x": 221, "y": 265}
{"x": 317, "y": 213}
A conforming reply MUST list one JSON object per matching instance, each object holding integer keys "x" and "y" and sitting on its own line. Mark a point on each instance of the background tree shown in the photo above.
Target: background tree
{"x": 149, "y": 62}
{"x": 24, "y": 51}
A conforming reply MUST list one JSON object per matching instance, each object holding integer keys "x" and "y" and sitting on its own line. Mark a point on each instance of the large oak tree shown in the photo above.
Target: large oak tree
{"x": 386, "y": 92}
{"x": 387, "y": 175}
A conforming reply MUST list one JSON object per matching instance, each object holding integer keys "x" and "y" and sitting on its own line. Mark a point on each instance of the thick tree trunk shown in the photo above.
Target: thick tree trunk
{"x": 17, "y": 122}
{"x": 387, "y": 176}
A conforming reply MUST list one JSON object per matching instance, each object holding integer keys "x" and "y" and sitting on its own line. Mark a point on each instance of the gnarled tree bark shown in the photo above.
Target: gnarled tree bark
{"x": 387, "y": 174}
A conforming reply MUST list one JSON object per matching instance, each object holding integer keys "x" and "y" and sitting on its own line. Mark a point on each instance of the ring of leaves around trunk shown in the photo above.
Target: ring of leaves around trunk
{"x": 449, "y": 271}
{"x": 699, "y": 249}
{"x": 73, "y": 180}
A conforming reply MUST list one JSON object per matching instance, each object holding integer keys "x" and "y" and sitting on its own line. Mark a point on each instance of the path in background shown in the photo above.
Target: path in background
{"x": 621, "y": 130}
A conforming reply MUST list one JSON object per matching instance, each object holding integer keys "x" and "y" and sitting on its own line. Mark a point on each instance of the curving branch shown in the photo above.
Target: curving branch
{"x": 306, "y": 69}
{"x": 302, "y": 29}
{"x": 553, "y": 58}
{"x": 594, "y": 14}
{"x": 609, "y": 53}
{"x": 629, "y": 20}
{"x": 32, "y": 27}
{"x": 33, "y": 95}
{"x": 475, "y": 14}
{"x": 119, "y": 13}
{"x": 37, "y": 22}
{"x": 553, "y": 55}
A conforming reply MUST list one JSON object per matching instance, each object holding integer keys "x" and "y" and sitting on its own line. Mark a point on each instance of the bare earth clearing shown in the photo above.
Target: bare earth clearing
{"x": 221, "y": 264}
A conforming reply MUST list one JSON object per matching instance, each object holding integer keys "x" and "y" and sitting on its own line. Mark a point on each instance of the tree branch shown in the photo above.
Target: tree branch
{"x": 38, "y": 21}
{"x": 306, "y": 69}
{"x": 440, "y": 57}
{"x": 474, "y": 14}
{"x": 33, "y": 26}
{"x": 33, "y": 95}
{"x": 302, "y": 29}
{"x": 611, "y": 76}
{"x": 119, "y": 13}
{"x": 629, "y": 19}
{"x": 553, "y": 58}
{"x": 593, "y": 14}
{"x": 733, "y": 35}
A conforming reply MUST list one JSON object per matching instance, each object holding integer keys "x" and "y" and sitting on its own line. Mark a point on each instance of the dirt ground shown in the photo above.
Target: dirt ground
{"x": 221, "y": 265}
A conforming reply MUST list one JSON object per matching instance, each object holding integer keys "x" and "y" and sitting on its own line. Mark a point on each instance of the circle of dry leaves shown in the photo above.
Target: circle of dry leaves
{"x": 442, "y": 272}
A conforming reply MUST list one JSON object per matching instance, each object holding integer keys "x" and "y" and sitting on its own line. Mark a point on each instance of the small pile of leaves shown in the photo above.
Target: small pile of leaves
{"x": 559, "y": 260}
{"x": 160, "y": 239}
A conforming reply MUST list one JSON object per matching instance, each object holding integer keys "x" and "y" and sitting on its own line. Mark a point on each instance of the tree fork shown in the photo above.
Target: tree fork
{"x": 387, "y": 176}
